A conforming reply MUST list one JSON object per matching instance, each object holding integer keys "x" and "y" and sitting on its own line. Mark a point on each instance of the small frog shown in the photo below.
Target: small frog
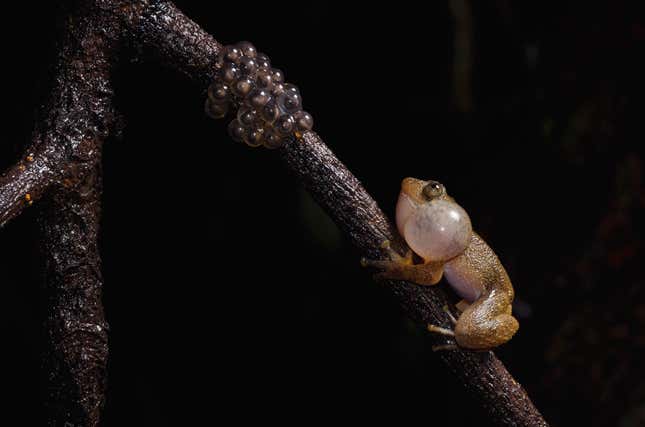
{"x": 439, "y": 231}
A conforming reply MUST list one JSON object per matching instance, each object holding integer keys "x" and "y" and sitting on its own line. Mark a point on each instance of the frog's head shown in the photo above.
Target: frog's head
{"x": 430, "y": 221}
{"x": 423, "y": 191}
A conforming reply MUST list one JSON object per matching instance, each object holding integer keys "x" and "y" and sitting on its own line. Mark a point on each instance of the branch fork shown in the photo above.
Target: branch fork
{"x": 62, "y": 167}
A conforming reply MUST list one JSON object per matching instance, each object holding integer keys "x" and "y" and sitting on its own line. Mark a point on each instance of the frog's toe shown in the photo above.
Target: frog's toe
{"x": 375, "y": 263}
{"x": 441, "y": 331}
{"x": 395, "y": 256}
{"x": 444, "y": 347}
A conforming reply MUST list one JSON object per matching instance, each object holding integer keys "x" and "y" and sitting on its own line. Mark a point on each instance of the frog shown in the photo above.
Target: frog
{"x": 442, "y": 243}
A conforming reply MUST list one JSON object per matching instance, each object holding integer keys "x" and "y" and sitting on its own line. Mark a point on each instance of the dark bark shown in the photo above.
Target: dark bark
{"x": 76, "y": 329}
{"x": 65, "y": 158}
{"x": 347, "y": 202}
{"x": 75, "y": 122}
{"x": 27, "y": 181}
{"x": 349, "y": 205}
{"x": 174, "y": 39}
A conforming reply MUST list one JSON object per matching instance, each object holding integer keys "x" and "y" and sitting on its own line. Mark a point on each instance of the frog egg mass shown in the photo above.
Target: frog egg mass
{"x": 271, "y": 109}
{"x": 437, "y": 230}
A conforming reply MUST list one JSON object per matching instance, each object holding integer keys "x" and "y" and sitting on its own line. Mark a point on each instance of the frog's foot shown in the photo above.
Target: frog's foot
{"x": 444, "y": 347}
{"x": 450, "y": 344}
{"x": 449, "y": 313}
{"x": 441, "y": 331}
{"x": 445, "y": 332}
{"x": 395, "y": 258}
{"x": 403, "y": 268}
{"x": 393, "y": 268}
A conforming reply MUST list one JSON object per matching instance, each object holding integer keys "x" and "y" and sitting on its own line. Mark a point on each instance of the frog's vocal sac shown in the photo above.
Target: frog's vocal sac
{"x": 439, "y": 231}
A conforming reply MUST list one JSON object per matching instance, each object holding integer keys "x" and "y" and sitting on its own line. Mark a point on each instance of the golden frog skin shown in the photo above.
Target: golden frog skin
{"x": 439, "y": 231}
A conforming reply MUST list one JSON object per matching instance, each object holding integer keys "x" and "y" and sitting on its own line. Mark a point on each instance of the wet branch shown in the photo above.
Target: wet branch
{"x": 76, "y": 330}
{"x": 63, "y": 166}
{"x": 350, "y": 206}
{"x": 28, "y": 179}
{"x": 75, "y": 122}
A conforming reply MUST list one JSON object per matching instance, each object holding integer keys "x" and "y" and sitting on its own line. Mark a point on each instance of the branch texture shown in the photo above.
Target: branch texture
{"x": 75, "y": 122}
{"x": 63, "y": 164}
{"x": 76, "y": 329}
{"x": 344, "y": 198}
{"x": 350, "y": 206}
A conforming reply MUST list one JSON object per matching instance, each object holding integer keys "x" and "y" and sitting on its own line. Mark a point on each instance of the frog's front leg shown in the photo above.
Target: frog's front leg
{"x": 429, "y": 273}
{"x": 403, "y": 268}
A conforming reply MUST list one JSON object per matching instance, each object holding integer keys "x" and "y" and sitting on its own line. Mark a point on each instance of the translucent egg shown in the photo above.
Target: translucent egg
{"x": 218, "y": 93}
{"x": 230, "y": 73}
{"x": 258, "y": 98}
{"x": 232, "y": 54}
{"x": 236, "y": 130}
{"x": 247, "y": 66}
{"x": 253, "y": 137}
{"x": 285, "y": 125}
{"x": 247, "y": 49}
{"x": 263, "y": 61}
{"x": 272, "y": 139}
{"x": 304, "y": 121}
{"x": 290, "y": 101}
{"x": 215, "y": 111}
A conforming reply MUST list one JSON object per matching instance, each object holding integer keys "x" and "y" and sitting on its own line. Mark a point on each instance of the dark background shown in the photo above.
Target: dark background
{"x": 231, "y": 296}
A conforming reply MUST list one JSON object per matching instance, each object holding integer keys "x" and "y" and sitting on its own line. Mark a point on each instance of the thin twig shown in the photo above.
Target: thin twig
{"x": 28, "y": 180}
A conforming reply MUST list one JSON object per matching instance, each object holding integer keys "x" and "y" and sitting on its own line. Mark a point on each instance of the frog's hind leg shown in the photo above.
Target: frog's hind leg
{"x": 474, "y": 334}
{"x": 403, "y": 268}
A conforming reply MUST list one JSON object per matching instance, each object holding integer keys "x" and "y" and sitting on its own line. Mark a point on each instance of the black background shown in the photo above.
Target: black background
{"x": 231, "y": 296}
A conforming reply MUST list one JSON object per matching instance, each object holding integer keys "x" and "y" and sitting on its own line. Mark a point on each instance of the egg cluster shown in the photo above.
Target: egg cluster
{"x": 270, "y": 110}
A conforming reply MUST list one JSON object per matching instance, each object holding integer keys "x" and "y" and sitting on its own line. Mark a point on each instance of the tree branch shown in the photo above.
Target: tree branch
{"x": 76, "y": 120}
{"x": 28, "y": 180}
{"x": 65, "y": 157}
{"x": 79, "y": 103}
{"x": 172, "y": 36}
{"x": 351, "y": 207}
{"x": 175, "y": 39}
{"x": 75, "y": 323}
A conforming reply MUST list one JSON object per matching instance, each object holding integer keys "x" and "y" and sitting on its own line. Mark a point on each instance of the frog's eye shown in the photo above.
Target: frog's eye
{"x": 433, "y": 189}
